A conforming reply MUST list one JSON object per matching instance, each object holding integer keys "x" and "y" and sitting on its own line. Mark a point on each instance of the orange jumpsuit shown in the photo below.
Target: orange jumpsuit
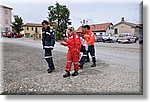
{"x": 89, "y": 37}
{"x": 74, "y": 44}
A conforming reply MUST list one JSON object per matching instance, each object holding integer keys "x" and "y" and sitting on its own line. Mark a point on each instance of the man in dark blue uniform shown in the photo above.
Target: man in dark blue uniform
{"x": 48, "y": 40}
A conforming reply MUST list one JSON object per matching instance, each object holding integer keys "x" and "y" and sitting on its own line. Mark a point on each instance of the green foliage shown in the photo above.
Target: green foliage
{"x": 58, "y": 36}
{"x": 58, "y": 17}
{"x": 17, "y": 24}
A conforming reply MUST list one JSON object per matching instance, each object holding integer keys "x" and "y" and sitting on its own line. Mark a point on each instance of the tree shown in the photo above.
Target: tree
{"x": 58, "y": 17}
{"x": 17, "y": 24}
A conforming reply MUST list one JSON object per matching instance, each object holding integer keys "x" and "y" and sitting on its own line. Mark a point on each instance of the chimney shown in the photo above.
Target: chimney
{"x": 122, "y": 19}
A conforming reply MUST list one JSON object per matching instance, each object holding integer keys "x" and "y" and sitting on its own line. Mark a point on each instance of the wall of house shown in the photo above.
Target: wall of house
{"x": 123, "y": 28}
{"x": 0, "y": 19}
{"x": 31, "y": 32}
{"x": 109, "y": 30}
{"x": 5, "y": 19}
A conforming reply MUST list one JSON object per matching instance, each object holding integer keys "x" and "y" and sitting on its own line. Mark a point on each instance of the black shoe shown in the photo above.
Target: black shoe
{"x": 67, "y": 74}
{"x": 93, "y": 65}
{"x": 53, "y": 68}
{"x": 75, "y": 73}
{"x": 50, "y": 70}
{"x": 81, "y": 66}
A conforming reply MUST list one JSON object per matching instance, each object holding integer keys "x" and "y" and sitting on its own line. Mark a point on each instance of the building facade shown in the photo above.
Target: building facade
{"x": 32, "y": 30}
{"x": 127, "y": 27}
{"x": 5, "y": 18}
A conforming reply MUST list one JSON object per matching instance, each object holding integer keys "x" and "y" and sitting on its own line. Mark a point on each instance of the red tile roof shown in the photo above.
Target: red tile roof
{"x": 96, "y": 27}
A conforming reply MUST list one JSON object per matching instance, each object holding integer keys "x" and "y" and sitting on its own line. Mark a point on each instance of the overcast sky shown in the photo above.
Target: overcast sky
{"x": 96, "y": 11}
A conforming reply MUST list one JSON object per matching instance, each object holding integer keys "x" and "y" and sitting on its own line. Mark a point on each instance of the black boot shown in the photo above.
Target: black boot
{"x": 75, "y": 73}
{"x": 87, "y": 59}
{"x": 93, "y": 65}
{"x": 81, "y": 66}
{"x": 50, "y": 65}
{"x": 67, "y": 74}
{"x": 94, "y": 62}
{"x": 53, "y": 68}
{"x": 50, "y": 70}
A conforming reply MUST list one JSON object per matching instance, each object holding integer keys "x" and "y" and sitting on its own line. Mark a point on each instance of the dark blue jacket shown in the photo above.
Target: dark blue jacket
{"x": 48, "y": 38}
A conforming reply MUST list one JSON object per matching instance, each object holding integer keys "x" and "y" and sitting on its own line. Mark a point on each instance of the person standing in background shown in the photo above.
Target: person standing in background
{"x": 48, "y": 41}
{"x": 90, "y": 39}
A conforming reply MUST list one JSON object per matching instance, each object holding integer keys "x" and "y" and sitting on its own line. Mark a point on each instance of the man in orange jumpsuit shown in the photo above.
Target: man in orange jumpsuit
{"x": 90, "y": 39}
{"x": 74, "y": 44}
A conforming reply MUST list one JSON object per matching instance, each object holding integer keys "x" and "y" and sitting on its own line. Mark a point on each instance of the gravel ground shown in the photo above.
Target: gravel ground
{"x": 24, "y": 72}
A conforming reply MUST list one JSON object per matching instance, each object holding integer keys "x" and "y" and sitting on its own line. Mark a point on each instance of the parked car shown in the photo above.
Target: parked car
{"x": 141, "y": 39}
{"x": 14, "y": 35}
{"x": 109, "y": 38}
{"x": 98, "y": 38}
{"x": 136, "y": 38}
{"x": 9, "y": 35}
{"x": 3, "y": 34}
{"x": 19, "y": 35}
{"x": 126, "y": 38}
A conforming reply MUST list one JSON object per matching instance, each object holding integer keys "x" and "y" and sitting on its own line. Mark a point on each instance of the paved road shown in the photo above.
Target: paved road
{"x": 118, "y": 70}
{"x": 122, "y": 54}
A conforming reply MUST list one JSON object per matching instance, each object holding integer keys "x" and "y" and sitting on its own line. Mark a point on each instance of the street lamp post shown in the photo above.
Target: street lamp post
{"x": 84, "y": 22}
